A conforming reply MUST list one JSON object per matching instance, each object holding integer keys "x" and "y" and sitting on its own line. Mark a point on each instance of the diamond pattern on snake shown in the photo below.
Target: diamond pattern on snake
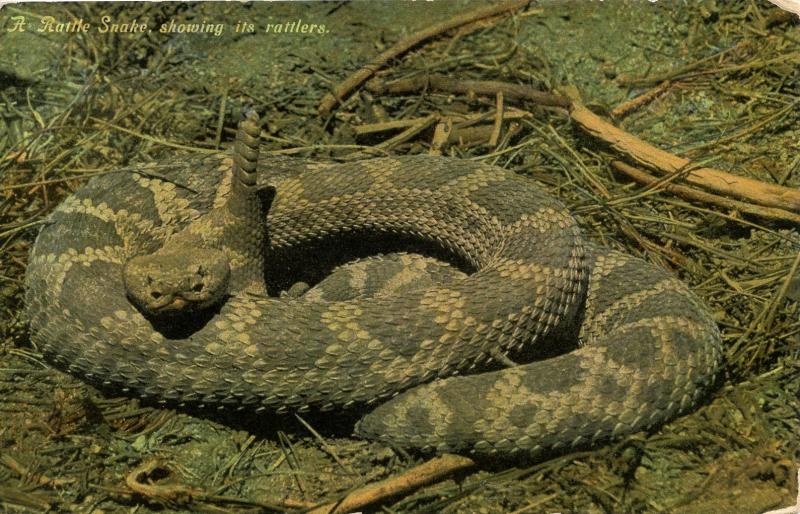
{"x": 401, "y": 338}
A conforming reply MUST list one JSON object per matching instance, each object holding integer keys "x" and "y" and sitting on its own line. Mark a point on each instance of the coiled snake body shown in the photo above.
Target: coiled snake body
{"x": 649, "y": 346}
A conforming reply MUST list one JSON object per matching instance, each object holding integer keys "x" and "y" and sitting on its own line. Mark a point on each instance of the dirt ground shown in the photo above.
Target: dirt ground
{"x": 77, "y": 104}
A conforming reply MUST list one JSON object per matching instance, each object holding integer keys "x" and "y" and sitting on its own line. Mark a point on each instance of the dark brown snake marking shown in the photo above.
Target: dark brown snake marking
{"x": 650, "y": 348}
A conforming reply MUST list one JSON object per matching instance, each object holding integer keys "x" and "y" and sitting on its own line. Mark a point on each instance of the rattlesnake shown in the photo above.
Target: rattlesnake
{"x": 648, "y": 346}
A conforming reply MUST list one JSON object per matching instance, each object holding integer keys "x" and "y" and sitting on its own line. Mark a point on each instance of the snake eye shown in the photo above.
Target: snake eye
{"x": 197, "y": 288}
{"x": 155, "y": 294}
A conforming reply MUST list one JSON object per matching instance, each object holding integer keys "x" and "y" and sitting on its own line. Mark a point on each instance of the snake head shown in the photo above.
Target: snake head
{"x": 168, "y": 283}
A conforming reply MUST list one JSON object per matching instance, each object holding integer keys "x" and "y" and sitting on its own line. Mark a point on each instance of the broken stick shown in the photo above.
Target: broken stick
{"x": 692, "y": 194}
{"x": 429, "y": 472}
{"x": 340, "y": 92}
{"x": 712, "y": 179}
{"x": 719, "y": 181}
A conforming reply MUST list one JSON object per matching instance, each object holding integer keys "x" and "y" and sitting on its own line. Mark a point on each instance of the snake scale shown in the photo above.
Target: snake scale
{"x": 648, "y": 346}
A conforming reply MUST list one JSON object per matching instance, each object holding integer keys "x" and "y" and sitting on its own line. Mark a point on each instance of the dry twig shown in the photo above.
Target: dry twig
{"x": 498, "y": 121}
{"x": 144, "y": 482}
{"x": 140, "y": 483}
{"x": 751, "y": 190}
{"x": 435, "y": 82}
{"x": 625, "y": 108}
{"x": 441, "y": 136}
{"x": 330, "y": 100}
{"x": 38, "y": 478}
{"x": 689, "y": 193}
{"x": 755, "y": 191}
{"x": 424, "y": 474}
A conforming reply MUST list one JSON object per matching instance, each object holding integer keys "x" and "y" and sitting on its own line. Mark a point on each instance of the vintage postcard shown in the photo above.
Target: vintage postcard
{"x": 400, "y": 256}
